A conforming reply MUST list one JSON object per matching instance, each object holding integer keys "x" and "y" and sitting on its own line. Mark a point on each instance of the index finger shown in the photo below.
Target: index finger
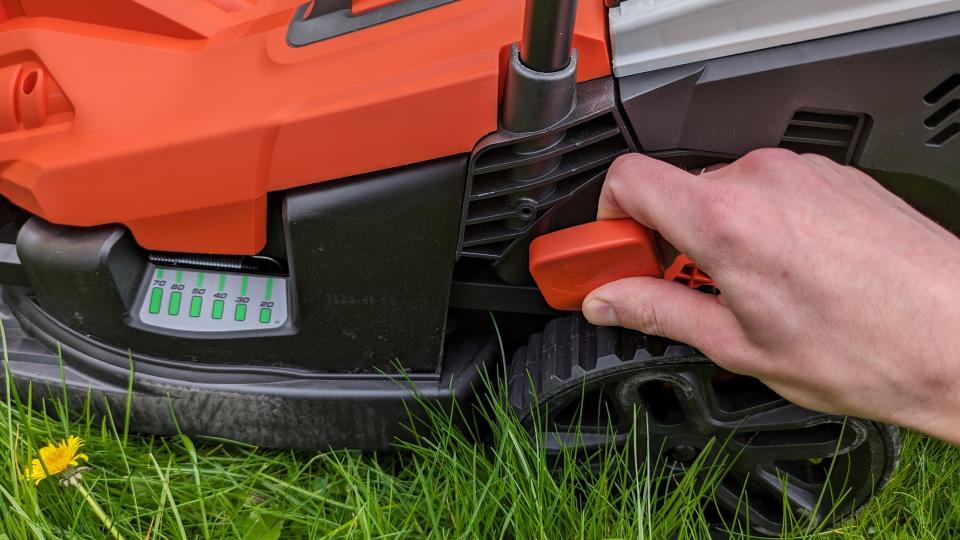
{"x": 658, "y": 195}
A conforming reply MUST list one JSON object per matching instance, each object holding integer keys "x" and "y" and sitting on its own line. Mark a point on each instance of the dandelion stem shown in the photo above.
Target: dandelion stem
{"x": 95, "y": 506}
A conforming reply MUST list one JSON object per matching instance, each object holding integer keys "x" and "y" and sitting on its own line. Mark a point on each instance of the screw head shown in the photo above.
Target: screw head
{"x": 525, "y": 209}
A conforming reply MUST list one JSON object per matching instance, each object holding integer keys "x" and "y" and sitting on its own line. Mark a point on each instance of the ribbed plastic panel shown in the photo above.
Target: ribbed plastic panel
{"x": 505, "y": 204}
{"x": 944, "y": 110}
{"x": 829, "y": 134}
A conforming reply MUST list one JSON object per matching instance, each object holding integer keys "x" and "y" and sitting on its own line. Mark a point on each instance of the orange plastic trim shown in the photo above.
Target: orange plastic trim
{"x": 9, "y": 77}
{"x": 139, "y": 16}
{"x": 569, "y": 263}
{"x": 186, "y": 113}
{"x": 685, "y": 271}
{"x": 30, "y": 98}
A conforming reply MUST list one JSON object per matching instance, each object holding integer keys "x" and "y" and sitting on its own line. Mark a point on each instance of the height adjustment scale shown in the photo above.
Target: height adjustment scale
{"x": 194, "y": 301}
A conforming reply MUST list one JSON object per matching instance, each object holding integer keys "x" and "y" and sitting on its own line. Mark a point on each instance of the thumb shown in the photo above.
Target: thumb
{"x": 665, "y": 308}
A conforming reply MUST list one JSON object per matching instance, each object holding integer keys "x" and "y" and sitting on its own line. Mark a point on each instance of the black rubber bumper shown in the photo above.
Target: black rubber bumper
{"x": 267, "y": 406}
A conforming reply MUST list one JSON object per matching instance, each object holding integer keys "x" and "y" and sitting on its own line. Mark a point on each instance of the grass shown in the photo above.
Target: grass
{"x": 443, "y": 484}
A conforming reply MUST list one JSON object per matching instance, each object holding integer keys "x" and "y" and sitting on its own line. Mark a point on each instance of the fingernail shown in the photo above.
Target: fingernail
{"x": 600, "y": 313}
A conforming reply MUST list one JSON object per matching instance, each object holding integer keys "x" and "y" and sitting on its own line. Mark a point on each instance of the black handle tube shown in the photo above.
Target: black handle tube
{"x": 548, "y": 34}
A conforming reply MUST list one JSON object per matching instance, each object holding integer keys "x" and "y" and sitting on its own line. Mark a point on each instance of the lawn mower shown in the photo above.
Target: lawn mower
{"x": 292, "y": 222}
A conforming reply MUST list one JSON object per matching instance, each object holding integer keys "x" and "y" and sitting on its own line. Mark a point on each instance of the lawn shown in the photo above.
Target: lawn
{"x": 444, "y": 484}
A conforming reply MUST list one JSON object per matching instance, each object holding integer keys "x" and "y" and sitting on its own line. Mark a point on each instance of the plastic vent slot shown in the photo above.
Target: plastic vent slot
{"x": 502, "y": 212}
{"x": 833, "y": 135}
{"x": 944, "y": 111}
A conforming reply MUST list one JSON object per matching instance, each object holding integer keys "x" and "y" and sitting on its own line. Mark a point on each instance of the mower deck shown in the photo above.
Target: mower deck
{"x": 270, "y": 406}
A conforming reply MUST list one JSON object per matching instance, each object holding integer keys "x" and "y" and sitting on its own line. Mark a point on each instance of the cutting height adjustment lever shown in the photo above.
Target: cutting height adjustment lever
{"x": 569, "y": 263}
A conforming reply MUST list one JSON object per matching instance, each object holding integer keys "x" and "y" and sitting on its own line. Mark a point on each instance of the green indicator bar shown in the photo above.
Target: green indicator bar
{"x": 218, "y": 309}
{"x": 174, "y": 307}
{"x": 195, "y": 303}
{"x": 240, "y": 313}
{"x": 269, "y": 290}
{"x": 179, "y": 276}
{"x": 156, "y": 297}
{"x": 243, "y": 285}
{"x": 159, "y": 273}
{"x": 264, "y": 315}
{"x": 223, "y": 283}
{"x": 200, "y": 279}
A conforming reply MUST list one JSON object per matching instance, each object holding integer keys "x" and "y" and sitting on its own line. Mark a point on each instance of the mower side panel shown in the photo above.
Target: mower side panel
{"x": 371, "y": 263}
{"x": 175, "y": 119}
{"x": 884, "y": 100}
{"x": 367, "y": 351}
{"x": 262, "y": 406}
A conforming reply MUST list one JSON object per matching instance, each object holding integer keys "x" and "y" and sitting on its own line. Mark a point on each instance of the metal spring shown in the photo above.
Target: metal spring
{"x": 216, "y": 262}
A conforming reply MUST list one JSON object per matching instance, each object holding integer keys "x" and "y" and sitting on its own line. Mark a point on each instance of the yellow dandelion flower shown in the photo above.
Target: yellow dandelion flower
{"x": 56, "y": 458}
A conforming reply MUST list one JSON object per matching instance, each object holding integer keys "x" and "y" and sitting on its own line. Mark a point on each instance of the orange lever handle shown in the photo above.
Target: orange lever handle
{"x": 569, "y": 263}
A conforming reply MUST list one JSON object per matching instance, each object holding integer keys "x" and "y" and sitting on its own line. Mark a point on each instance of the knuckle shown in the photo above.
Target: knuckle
{"x": 623, "y": 165}
{"x": 618, "y": 176}
{"x": 648, "y": 318}
{"x": 726, "y": 217}
{"x": 854, "y": 173}
{"x": 651, "y": 318}
{"x": 766, "y": 159}
{"x": 817, "y": 158}
{"x": 819, "y": 165}
{"x": 734, "y": 355}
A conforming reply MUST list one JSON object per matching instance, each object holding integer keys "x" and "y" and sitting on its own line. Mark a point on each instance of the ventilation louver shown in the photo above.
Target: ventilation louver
{"x": 945, "y": 110}
{"x": 511, "y": 195}
{"x": 833, "y": 135}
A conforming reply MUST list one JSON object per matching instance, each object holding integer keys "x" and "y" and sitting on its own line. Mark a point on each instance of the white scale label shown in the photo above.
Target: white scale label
{"x": 197, "y": 301}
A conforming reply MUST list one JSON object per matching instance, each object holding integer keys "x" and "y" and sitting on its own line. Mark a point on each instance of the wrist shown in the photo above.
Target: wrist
{"x": 945, "y": 427}
{"x": 938, "y": 413}
{"x": 949, "y": 428}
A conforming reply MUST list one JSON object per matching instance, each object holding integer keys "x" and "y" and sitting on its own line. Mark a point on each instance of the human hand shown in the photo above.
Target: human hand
{"x": 835, "y": 293}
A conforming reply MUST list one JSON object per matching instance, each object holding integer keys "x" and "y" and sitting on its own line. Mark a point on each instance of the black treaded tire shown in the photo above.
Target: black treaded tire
{"x": 574, "y": 372}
